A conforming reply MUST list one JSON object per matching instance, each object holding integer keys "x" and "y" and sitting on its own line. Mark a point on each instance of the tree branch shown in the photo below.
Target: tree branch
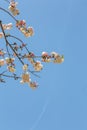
{"x": 7, "y": 43}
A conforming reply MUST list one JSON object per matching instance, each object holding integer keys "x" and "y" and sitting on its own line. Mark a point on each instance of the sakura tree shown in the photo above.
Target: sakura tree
{"x": 18, "y": 51}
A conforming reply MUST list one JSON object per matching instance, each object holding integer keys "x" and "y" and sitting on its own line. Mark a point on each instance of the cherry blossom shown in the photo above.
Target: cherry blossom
{"x": 7, "y": 26}
{"x": 45, "y": 57}
{"x": 11, "y": 69}
{"x": 2, "y": 53}
{"x": 2, "y": 62}
{"x": 1, "y": 35}
{"x": 38, "y": 66}
{"x": 9, "y": 60}
{"x": 33, "y": 85}
{"x": 59, "y": 59}
{"x": 25, "y": 67}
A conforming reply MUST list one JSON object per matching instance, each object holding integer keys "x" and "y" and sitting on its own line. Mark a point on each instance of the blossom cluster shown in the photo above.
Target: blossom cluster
{"x": 57, "y": 58}
{"x": 12, "y": 7}
{"x": 27, "y": 31}
{"x": 9, "y": 62}
{"x": 26, "y": 77}
{"x": 21, "y": 25}
{"x": 21, "y": 52}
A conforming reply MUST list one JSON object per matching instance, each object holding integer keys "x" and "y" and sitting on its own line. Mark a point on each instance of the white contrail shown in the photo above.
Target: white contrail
{"x": 40, "y": 116}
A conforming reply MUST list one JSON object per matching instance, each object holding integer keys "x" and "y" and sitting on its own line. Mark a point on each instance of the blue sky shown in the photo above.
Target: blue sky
{"x": 60, "y": 102}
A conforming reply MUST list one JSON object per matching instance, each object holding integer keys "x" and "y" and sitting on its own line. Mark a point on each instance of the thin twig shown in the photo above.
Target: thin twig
{"x": 3, "y": 72}
{"x": 18, "y": 40}
{"x": 33, "y": 72}
{"x": 8, "y": 35}
{"x": 10, "y": 76}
